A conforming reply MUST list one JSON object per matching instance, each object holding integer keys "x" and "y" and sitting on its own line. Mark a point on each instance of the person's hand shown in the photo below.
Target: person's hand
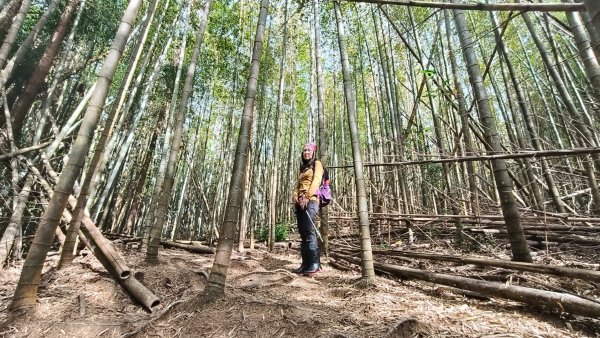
{"x": 302, "y": 202}
{"x": 295, "y": 199}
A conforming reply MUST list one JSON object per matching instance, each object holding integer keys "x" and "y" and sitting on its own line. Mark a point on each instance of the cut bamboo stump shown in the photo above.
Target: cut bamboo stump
{"x": 93, "y": 234}
{"x": 137, "y": 290}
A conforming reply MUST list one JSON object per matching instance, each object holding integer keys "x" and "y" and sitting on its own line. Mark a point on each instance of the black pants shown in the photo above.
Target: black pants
{"x": 306, "y": 226}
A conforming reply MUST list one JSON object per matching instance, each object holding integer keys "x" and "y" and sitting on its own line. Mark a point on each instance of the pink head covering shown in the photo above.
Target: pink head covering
{"x": 311, "y": 146}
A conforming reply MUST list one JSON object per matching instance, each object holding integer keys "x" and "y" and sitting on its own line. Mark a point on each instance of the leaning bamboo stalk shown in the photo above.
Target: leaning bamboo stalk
{"x": 554, "y": 300}
{"x": 218, "y": 274}
{"x": 560, "y": 271}
{"x": 368, "y": 272}
{"x": 91, "y": 232}
{"x": 13, "y": 32}
{"x": 25, "y": 46}
{"x": 89, "y": 184}
{"x": 166, "y": 190}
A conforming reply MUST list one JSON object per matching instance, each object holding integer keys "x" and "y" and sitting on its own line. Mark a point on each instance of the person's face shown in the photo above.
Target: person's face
{"x": 307, "y": 153}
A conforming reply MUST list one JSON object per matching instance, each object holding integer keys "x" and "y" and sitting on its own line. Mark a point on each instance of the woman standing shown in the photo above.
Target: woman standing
{"x": 307, "y": 206}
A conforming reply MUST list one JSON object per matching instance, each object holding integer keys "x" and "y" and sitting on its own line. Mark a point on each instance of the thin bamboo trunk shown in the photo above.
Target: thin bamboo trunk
{"x": 13, "y": 32}
{"x": 218, "y": 274}
{"x": 504, "y": 186}
{"x": 166, "y": 191}
{"x": 323, "y": 144}
{"x": 164, "y": 155}
{"x": 27, "y": 98}
{"x": 187, "y": 176}
{"x": 25, "y": 46}
{"x": 368, "y": 272}
{"x": 464, "y": 118}
{"x": 584, "y": 136}
{"x": 134, "y": 209}
{"x": 277, "y": 135}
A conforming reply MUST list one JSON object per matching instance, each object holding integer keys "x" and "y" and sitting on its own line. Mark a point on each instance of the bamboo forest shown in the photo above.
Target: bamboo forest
{"x": 299, "y": 168}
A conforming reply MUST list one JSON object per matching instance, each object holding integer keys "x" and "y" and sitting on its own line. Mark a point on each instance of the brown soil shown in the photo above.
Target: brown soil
{"x": 263, "y": 299}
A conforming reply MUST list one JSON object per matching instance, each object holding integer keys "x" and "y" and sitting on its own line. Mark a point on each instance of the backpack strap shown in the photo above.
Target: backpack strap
{"x": 313, "y": 179}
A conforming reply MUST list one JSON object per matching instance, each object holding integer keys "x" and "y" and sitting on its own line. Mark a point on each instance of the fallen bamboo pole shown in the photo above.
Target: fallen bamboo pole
{"x": 188, "y": 247}
{"x": 545, "y": 235}
{"x": 197, "y": 248}
{"x": 553, "y": 300}
{"x": 554, "y": 270}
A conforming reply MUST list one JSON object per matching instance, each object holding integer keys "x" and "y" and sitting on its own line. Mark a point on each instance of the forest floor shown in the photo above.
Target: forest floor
{"x": 263, "y": 299}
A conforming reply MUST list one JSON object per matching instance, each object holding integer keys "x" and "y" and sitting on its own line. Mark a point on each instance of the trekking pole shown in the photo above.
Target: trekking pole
{"x": 314, "y": 226}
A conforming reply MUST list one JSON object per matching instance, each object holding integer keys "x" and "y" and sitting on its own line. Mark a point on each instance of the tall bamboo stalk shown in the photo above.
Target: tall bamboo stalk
{"x": 277, "y": 134}
{"x": 163, "y": 203}
{"x": 504, "y": 186}
{"x": 368, "y": 272}
{"x": 218, "y": 273}
{"x": 89, "y": 185}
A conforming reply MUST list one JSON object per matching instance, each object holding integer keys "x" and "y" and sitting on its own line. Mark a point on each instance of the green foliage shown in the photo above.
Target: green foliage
{"x": 281, "y": 232}
{"x": 99, "y": 22}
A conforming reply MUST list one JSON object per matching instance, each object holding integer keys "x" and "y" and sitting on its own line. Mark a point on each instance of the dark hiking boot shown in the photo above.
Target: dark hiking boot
{"x": 312, "y": 270}
{"x": 300, "y": 270}
{"x": 305, "y": 259}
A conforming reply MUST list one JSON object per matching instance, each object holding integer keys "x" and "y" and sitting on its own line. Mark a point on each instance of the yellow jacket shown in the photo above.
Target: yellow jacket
{"x": 308, "y": 182}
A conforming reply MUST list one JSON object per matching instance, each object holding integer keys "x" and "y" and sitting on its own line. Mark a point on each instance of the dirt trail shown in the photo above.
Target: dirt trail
{"x": 263, "y": 299}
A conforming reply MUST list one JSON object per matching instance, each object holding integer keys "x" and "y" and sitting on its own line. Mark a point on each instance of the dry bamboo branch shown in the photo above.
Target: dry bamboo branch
{"x": 22, "y": 151}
